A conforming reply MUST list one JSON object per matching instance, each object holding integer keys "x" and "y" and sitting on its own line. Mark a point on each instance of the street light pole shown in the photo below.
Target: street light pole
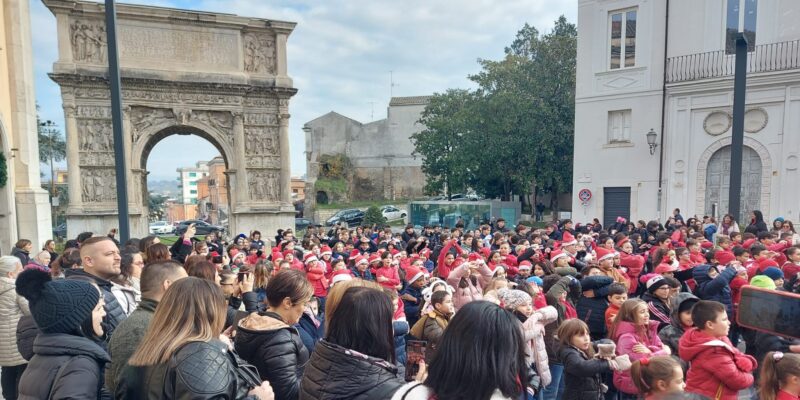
{"x": 116, "y": 118}
{"x": 737, "y": 138}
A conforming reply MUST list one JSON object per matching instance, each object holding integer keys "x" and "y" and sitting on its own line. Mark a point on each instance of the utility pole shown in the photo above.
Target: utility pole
{"x": 737, "y": 138}
{"x": 391, "y": 85}
{"x": 116, "y": 118}
{"x": 372, "y": 110}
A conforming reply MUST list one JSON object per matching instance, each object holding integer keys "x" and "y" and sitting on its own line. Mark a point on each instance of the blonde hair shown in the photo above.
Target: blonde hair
{"x": 627, "y": 313}
{"x": 776, "y": 368}
{"x": 336, "y": 292}
{"x": 493, "y": 284}
{"x": 192, "y": 310}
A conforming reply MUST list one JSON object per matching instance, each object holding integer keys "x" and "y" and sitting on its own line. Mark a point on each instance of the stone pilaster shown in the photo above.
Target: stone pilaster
{"x": 286, "y": 166}
{"x": 73, "y": 159}
{"x": 240, "y": 188}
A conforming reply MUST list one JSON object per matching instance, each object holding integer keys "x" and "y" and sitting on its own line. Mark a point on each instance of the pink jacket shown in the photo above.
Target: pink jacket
{"x": 533, "y": 330}
{"x": 627, "y": 337}
{"x": 470, "y": 292}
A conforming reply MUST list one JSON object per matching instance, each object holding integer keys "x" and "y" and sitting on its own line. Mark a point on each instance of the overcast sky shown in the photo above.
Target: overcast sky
{"x": 340, "y": 55}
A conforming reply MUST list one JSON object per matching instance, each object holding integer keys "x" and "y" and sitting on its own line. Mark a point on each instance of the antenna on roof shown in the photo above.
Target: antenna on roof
{"x": 391, "y": 85}
{"x": 372, "y": 110}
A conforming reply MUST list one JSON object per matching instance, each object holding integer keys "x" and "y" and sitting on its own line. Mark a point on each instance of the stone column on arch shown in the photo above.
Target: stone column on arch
{"x": 286, "y": 166}
{"x": 133, "y": 176}
{"x": 241, "y": 192}
{"x": 73, "y": 158}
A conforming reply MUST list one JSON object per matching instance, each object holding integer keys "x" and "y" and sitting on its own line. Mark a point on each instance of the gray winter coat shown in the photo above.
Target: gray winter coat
{"x": 12, "y": 308}
{"x": 671, "y": 334}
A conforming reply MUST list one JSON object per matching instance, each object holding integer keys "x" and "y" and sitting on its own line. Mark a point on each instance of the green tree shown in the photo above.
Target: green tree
{"x": 514, "y": 133}
{"x": 52, "y": 146}
{"x": 445, "y": 120}
{"x": 373, "y": 216}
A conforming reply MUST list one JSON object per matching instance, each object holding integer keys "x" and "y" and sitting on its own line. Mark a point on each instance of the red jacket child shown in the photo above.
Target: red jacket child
{"x": 391, "y": 274}
{"x": 717, "y": 369}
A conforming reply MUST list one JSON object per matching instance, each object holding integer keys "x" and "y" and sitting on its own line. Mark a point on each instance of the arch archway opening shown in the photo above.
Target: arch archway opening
{"x": 191, "y": 163}
{"x": 718, "y": 182}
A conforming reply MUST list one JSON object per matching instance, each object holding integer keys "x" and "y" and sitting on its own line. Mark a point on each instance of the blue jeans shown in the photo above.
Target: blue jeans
{"x": 555, "y": 390}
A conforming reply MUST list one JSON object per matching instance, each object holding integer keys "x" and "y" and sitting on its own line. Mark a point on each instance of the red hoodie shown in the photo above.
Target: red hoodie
{"x": 790, "y": 269}
{"x": 715, "y": 364}
{"x": 316, "y": 275}
{"x": 634, "y": 264}
{"x": 444, "y": 269}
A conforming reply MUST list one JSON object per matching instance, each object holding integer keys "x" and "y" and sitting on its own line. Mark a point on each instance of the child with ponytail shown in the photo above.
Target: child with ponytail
{"x": 657, "y": 377}
{"x": 780, "y": 377}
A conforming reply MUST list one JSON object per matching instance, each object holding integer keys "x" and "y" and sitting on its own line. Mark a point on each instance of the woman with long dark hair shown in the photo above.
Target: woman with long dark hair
{"x": 481, "y": 356}
{"x": 757, "y": 224}
{"x": 356, "y": 359}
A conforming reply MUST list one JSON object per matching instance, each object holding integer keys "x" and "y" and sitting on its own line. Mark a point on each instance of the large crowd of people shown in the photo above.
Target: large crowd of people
{"x": 564, "y": 311}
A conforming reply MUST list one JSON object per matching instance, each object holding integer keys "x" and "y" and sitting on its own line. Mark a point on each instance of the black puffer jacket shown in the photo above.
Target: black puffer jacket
{"x": 592, "y": 310}
{"x": 26, "y": 334}
{"x": 582, "y": 374}
{"x": 64, "y": 367}
{"x": 197, "y": 371}
{"x": 338, "y": 373}
{"x": 275, "y": 348}
{"x": 114, "y": 312}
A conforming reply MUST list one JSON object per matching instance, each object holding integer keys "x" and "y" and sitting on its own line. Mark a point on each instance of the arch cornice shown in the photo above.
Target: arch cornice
{"x": 766, "y": 170}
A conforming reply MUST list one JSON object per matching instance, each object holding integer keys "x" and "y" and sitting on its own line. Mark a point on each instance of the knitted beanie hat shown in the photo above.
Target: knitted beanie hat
{"x": 59, "y": 306}
{"x": 656, "y": 282}
{"x": 513, "y": 298}
{"x": 763, "y": 282}
{"x": 773, "y": 272}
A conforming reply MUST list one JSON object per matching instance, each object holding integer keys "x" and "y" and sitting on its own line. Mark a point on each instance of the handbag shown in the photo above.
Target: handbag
{"x": 718, "y": 396}
{"x": 247, "y": 376}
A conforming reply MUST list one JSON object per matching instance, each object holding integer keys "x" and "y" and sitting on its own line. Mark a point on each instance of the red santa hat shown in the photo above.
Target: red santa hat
{"x": 525, "y": 265}
{"x": 604, "y": 253}
{"x": 354, "y": 253}
{"x": 325, "y": 250}
{"x": 425, "y": 253}
{"x": 394, "y": 252}
{"x": 414, "y": 273}
{"x": 374, "y": 257}
{"x": 765, "y": 263}
{"x": 309, "y": 257}
{"x": 554, "y": 255}
{"x": 474, "y": 257}
{"x": 724, "y": 257}
{"x": 748, "y": 243}
{"x": 665, "y": 268}
{"x": 567, "y": 239}
{"x": 623, "y": 241}
{"x": 361, "y": 260}
{"x": 341, "y": 275}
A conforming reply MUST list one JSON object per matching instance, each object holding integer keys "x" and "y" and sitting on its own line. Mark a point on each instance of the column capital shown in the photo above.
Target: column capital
{"x": 283, "y": 119}
{"x": 69, "y": 110}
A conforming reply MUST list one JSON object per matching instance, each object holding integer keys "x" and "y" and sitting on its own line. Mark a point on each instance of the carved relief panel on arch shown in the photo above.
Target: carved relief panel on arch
{"x": 263, "y": 184}
{"x": 98, "y": 185}
{"x": 259, "y": 53}
{"x": 88, "y": 38}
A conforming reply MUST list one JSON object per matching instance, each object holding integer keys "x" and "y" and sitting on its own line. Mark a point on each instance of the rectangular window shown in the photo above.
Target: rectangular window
{"x": 192, "y": 174}
{"x": 193, "y": 191}
{"x": 619, "y": 126}
{"x": 733, "y": 14}
{"x": 193, "y": 183}
{"x": 622, "y": 39}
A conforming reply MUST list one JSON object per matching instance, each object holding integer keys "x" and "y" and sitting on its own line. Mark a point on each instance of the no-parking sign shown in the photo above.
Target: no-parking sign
{"x": 585, "y": 195}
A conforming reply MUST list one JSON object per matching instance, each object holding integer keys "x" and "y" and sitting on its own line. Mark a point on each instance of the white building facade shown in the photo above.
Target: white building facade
{"x": 188, "y": 177}
{"x": 667, "y": 66}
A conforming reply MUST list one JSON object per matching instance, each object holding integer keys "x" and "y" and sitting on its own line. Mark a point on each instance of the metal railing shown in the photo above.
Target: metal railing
{"x": 716, "y": 64}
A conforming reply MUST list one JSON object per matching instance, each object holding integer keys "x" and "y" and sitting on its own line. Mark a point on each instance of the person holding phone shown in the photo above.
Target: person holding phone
{"x": 183, "y": 247}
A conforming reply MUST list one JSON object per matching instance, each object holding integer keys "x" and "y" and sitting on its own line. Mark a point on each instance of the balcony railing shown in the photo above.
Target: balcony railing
{"x": 716, "y": 64}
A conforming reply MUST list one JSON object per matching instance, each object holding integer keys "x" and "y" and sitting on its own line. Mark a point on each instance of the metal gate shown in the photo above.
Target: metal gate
{"x": 616, "y": 203}
{"x": 718, "y": 180}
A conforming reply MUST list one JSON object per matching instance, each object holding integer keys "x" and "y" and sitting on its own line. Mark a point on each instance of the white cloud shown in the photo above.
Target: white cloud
{"x": 341, "y": 51}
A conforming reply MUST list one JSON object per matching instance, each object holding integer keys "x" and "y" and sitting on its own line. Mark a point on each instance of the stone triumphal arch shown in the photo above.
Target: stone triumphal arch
{"x": 220, "y": 76}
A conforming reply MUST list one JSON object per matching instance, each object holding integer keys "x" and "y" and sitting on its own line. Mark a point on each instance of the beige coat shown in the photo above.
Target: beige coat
{"x": 12, "y": 308}
{"x": 533, "y": 330}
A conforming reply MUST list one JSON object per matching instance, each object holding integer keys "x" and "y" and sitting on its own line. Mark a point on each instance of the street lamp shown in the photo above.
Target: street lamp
{"x": 651, "y": 141}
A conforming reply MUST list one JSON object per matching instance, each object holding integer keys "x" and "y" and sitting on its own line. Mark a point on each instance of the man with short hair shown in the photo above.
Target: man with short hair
{"x": 100, "y": 259}
{"x": 155, "y": 280}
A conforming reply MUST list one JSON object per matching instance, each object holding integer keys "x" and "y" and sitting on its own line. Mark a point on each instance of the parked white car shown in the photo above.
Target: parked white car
{"x": 392, "y": 213}
{"x": 161, "y": 228}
